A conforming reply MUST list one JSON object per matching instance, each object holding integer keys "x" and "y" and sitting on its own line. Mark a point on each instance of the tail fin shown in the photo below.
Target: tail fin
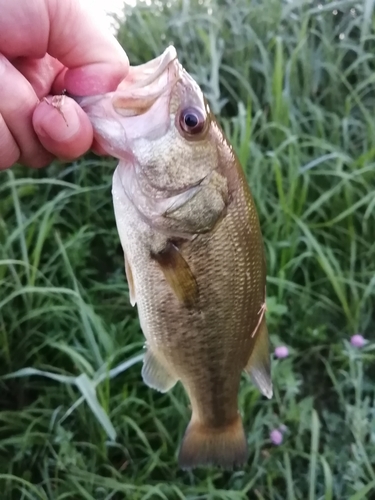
{"x": 225, "y": 446}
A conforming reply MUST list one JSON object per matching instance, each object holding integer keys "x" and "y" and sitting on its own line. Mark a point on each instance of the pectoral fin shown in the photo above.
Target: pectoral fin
{"x": 155, "y": 375}
{"x": 129, "y": 277}
{"x": 178, "y": 274}
{"x": 258, "y": 366}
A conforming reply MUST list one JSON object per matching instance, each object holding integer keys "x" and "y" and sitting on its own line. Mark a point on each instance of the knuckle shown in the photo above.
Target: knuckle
{"x": 9, "y": 152}
{"x": 7, "y": 162}
{"x": 36, "y": 161}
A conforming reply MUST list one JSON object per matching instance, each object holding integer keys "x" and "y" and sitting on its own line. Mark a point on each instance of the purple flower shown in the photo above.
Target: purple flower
{"x": 281, "y": 351}
{"x": 276, "y": 437}
{"x": 358, "y": 340}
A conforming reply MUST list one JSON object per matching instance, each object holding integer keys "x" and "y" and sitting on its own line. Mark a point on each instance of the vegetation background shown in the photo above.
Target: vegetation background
{"x": 293, "y": 85}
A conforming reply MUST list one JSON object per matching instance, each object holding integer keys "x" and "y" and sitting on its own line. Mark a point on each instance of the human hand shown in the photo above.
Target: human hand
{"x": 47, "y": 46}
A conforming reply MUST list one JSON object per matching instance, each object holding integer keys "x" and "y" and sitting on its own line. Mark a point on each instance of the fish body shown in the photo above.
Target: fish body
{"x": 193, "y": 248}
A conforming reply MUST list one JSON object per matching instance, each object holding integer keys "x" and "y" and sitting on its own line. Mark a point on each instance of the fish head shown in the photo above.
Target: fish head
{"x": 159, "y": 125}
{"x": 157, "y": 112}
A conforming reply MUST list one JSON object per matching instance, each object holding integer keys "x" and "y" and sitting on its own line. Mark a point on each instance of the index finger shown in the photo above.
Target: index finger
{"x": 70, "y": 32}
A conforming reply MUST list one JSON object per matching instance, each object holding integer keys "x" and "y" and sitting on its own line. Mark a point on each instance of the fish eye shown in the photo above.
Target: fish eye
{"x": 192, "y": 121}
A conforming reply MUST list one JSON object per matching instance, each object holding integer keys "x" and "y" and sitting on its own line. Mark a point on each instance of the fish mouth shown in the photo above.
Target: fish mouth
{"x": 146, "y": 83}
{"x": 138, "y": 109}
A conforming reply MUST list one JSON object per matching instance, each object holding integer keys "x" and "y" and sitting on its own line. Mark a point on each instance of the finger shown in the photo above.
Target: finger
{"x": 41, "y": 73}
{"x": 65, "y": 131}
{"x": 71, "y": 33}
{"x": 9, "y": 151}
{"x": 24, "y": 28}
{"x": 96, "y": 61}
{"x": 17, "y": 104}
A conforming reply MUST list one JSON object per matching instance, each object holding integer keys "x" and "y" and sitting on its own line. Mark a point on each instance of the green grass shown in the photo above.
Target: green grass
{"x": 297, "y": 102}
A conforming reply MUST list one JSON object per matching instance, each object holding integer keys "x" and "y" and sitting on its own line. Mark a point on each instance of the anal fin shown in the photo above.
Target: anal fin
{"x": 178, "y": 274}
{"x": 130, "y": 280}
{"x": 155, "y": 375}
{"x": 258, "y": 366}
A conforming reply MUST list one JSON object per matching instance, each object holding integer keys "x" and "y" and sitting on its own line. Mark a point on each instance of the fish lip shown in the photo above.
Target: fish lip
{"x": 136, "y": 88}
{"x": 145, "y": 83}
{"x": 151, "y": 70}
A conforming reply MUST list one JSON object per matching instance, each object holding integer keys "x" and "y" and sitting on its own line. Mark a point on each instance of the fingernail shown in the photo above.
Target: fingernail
{"x": 60, "y": 124}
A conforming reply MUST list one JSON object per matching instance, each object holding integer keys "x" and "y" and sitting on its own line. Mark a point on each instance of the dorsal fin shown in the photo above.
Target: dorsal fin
{"x": 258, "y": 365}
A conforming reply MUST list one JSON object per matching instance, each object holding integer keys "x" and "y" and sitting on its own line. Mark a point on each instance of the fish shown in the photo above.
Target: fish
{"x": 193, "y": 250}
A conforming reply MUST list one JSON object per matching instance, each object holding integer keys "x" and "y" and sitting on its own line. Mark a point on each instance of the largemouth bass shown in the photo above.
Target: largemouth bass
{"x": 194, "y": 255}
